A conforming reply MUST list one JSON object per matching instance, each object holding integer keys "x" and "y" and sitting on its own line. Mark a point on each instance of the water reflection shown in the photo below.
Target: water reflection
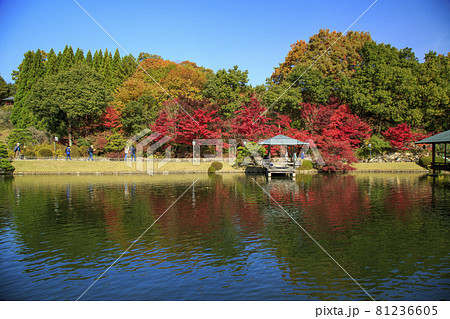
{"x": 225, "y": 239}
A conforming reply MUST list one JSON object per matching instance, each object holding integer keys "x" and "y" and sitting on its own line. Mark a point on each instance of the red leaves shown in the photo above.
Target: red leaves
{"x": 402, "y": 138}
{"x": 251, "y": 122}
{"x": 345, "y": 126}
{"x": 111, "y": 118}
{"x": 336, "y": 132}
{"x": 200, "y": 121}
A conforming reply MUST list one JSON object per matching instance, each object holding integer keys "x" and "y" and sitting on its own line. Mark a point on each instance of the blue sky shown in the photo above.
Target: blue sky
{"x": 255, "y": 35}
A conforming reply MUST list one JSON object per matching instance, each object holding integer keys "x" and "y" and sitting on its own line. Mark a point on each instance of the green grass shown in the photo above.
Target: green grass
{"x": 62, "y": 166}
{"x": 75, "y": 166}
{"x": 391, "y": 166}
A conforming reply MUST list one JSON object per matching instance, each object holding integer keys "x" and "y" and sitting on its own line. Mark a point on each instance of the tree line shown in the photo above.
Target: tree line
{"x": 366, "y": 87}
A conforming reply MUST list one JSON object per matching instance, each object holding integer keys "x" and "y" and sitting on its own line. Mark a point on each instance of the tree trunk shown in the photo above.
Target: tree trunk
{"x": 70, "y": 135}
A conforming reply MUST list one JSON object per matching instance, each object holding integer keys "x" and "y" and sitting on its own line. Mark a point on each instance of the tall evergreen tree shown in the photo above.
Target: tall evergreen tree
{"x": 79, "y": 56}
{"x": 4, "y": 90}
{"x": 98, "y": 59}
{"x": 38, "y": 65}
{"x": 67, "y": 59}
{"x": 106, "y": 70}
{"x": 30, "y": 71}
{"x": 117, "y": 70}
{"x": 52, "y": 64}
{"x": 89, "y": 59}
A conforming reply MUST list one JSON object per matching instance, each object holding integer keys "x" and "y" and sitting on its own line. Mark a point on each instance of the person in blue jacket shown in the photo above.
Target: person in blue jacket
{"x": 17, "y": 150}
{"x": 91, "y": 152}
{"x": 68, "y": 153}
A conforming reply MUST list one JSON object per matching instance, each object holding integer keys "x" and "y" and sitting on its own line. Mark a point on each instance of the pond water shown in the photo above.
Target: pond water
{"x": 225, "y": 238}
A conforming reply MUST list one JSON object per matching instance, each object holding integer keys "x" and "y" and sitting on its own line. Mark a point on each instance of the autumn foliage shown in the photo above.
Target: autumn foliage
{"x": 187, "y": 120}
{"x": 402, "y": 138}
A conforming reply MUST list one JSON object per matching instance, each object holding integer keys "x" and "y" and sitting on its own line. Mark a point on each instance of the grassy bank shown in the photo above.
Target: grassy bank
{"x": 109, "y": 167}
{"x": 389, "y": 167}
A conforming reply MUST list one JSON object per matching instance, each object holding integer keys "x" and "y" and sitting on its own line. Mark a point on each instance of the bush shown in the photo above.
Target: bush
{"x": 6, "y": 167}
{"x": 115, "y": 143}
{"x": 100, "y": 142}
{"x": 29, "y": 152}
{"x": 3, "y": 150}
{"x": 211, "y": 170}
{"x": 306, "y": 165}
{"x": 217, "y": 165}
{"x": 379, "y": 145}
{"x": 45, "y": 152}
{"x": 76, "y": 151}
{"x": 425, "y": 161}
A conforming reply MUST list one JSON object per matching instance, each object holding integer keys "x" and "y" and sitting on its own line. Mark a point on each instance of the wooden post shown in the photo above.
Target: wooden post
{"x": 445, "y": 154}
{"x": 433, "y": 156}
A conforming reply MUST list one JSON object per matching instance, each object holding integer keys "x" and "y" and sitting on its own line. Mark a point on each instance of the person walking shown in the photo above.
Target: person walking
{"x": 133, "y": 153}
{"x": 91, "y": 153}
{"x": 68, "y": 153}
{"x": 17, "y": 150}
{"x": 127, "y": 150}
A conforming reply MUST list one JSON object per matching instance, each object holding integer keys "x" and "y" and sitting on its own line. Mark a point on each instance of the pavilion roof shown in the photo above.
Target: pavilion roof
{"x": 443, "y": 137}
{"x": 282, "y": 140}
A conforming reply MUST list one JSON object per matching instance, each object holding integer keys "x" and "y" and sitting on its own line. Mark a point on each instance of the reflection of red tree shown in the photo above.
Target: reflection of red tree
{"x": 112, "y": 213}
{"x": 329, "y": 202}
{"x": 337, "y": 203}
{"x": 403, "y": 198}
{"x": 207, "y": 210}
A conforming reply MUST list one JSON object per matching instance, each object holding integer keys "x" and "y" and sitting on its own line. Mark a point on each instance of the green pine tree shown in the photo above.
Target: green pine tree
{"x": 30, "y": 71}
{"x": 98, "y": 59}
{"x": 106, "y": 70}
{"x": 67, "y": 59}
{"x": 79, "y": 56}
{"x": 117, "y": 70}
{"x": 89, "y": 58}
{"x": 52, "y": 64}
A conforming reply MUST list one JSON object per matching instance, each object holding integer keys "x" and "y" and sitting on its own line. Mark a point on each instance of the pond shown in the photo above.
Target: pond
{"x": 225, "y": 238}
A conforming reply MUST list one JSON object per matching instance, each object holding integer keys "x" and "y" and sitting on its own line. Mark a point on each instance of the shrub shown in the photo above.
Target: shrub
{"x": 217, "y": 165}
{"x": 100, "y": 141}
{"x": 115, "y": 143}
{"x": 115, "y": 154}
{"x": 211, "y": 170}
{"x": 76, "y": 151}
{"x": 3, "y": 150}
{"x": 306, "y": 165}
{"x": 379, "y": 145}
{"x": 6, "y": 167}
{"x": 45, "y": 152}
{"x": 29, "y": 152}
{"x": 424, "y": 161}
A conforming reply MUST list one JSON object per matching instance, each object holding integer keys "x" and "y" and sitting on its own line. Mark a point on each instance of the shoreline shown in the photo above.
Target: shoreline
{"x": 46, "y": 167}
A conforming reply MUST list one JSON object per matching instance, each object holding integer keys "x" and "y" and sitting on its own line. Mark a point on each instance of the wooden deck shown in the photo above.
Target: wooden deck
{"x": 281, "y": 170}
